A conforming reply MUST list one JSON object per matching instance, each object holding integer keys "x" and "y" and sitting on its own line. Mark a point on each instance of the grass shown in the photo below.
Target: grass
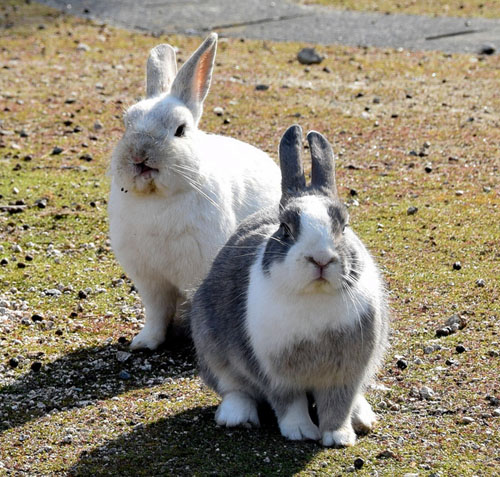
{"x": 452, "y": 8}
{"x": 77, "y": 416}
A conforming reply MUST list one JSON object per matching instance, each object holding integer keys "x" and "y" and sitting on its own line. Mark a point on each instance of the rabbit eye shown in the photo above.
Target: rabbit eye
{"x": 285, "y": 228}
{"x": 180, "y": 131}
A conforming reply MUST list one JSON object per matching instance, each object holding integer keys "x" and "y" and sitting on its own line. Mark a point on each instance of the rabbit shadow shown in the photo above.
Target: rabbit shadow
{"x": 90, "y": 374}
{"x": 190, "y": 443}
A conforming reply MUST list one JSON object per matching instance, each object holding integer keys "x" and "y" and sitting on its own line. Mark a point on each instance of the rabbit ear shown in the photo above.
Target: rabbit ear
{"x": 160, "y": 70}
{"x": 292, "y": 169}
{"x": 323, "y": 165}
{"x": 193, "y": 81}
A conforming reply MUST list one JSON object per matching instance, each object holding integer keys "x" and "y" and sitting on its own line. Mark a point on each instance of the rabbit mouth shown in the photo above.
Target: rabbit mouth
{"x": 143, "y": 170}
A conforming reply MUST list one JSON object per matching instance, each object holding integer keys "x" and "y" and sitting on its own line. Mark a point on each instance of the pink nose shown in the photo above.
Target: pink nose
{"x": 322, "y": 262}
{"x": 138, "y": 159}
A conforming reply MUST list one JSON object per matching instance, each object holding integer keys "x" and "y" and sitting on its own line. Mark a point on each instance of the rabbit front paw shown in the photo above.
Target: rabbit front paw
{"x": 339, "y": 438}
{"x": 363, "y": 418}
{"x": 237, "y": 409}
{"x": 148, "y": 337}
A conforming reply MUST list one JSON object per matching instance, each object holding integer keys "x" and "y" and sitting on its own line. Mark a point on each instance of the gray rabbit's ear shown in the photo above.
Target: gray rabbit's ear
{"x": 160, "y": 70}
{"x": 193, "y": 81}
{"x": 323, "y": 164}
{"x": 293, "y": 181}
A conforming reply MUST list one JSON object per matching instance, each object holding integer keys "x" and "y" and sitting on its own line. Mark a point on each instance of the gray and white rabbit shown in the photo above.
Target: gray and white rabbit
{"x": 294, "y": 304}
{"x": 178, "y": 193}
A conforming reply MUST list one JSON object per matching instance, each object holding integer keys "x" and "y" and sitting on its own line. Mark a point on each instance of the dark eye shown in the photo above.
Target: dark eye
{"x": 181, "y": 130}
{"x": 344, "y": 227}
{"x": 285, "y": 230}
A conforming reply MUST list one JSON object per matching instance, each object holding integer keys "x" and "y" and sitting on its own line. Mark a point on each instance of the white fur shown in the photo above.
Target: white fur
{"x": 287, "y": 306}
{"x": 167, "y": 224}
{"x": 340, "y": 438}
{"x": 363, "y": 417}
{"x": 296, "y": 424}
{"x": 237, "y": 409}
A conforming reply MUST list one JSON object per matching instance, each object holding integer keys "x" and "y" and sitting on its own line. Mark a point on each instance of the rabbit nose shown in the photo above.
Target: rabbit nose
{"x": 138, "y": 158}
{"x": 321, "y": 262}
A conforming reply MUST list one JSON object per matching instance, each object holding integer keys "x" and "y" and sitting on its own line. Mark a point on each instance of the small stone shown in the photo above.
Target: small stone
{"x": 122, "y": 356}
{"x": 353, "y": 192}
{"x": 386, "y": 454}
{"x": 457, "y": 266}
{"x": 487, "y": 49}
{"x": 218, "y": 111}
{"x": 28, "y": 258}
{"x": 41, "y": 203}
{"x": 28, "y": 158}
{"x": 36, "y": 366}
{"x": 428, "y": 168}
{"x": 460, "y": 349}
{"x": 443, "y": 332}
{"x": 493, "y": 353}
{"x": 450, "y": 362}
{"x": 401, "y": 364}
{"x": 459, "y": 192}
{"x": 376, "y": 100}
{"x": 453, "y": 319}
{"x": 86, "y": 157}
{"x": 426, "y": 392}
{"x": 358, "y": 463}
{"x": 327, "y": 70}
{"x": 82, "y": 295}
{"x": 487, "y": 189}
{"x": 122, "y": 340}
{"x": 262, "y": 87}
{"x": 124, "y": 375}
{"x": 36, "y": 318}
{"x": 467, "y": 420}
{"x": 496, "y": 412}
{"x": 98, "y": 125}
{"x": 412, "y": 210}
{"x": 82, "y": 47}
{"x": 21, "y": 265}
{"x": 309, "y": 56}
{"x": 4, "y": 262}
{"x": 13, "y": 362}
{"x": 57, "y": 150}
{"x": 23, "y": 133}
{"x": 480, "y": 283}
{"x": 227, "y": 121}
{"x": 494, "y": 401}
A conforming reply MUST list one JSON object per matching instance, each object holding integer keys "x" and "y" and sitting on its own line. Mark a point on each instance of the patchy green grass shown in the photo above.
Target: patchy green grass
{"x": 450, "y": 8}
{"x": 74, "y": 414}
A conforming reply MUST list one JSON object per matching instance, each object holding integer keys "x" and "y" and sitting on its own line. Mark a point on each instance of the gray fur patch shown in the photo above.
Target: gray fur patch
{"x": 338, "y": 357}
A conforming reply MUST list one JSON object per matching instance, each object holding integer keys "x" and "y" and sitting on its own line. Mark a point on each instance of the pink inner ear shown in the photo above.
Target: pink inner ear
{"x": 201, "y": 76}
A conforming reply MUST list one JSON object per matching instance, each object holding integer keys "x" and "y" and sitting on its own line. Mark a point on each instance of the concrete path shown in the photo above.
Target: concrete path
{"x": 283, "y": 20}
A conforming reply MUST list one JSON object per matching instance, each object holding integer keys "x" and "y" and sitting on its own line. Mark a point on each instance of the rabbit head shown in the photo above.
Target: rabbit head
{"x": 312, "y": 251}
{"x": 157, "y": 152}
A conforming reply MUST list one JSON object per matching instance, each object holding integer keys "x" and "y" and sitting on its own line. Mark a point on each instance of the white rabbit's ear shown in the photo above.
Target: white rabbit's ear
{"x": 322, "y": 165}
{"x": 193, "y": 81}
{"x": 293, "y": 181}
{"x": 160, "y": 70}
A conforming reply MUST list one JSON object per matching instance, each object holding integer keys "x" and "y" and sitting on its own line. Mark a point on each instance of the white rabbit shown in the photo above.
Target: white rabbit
{"x": 294, "y": 304}
{"x": 178, "y": 193}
